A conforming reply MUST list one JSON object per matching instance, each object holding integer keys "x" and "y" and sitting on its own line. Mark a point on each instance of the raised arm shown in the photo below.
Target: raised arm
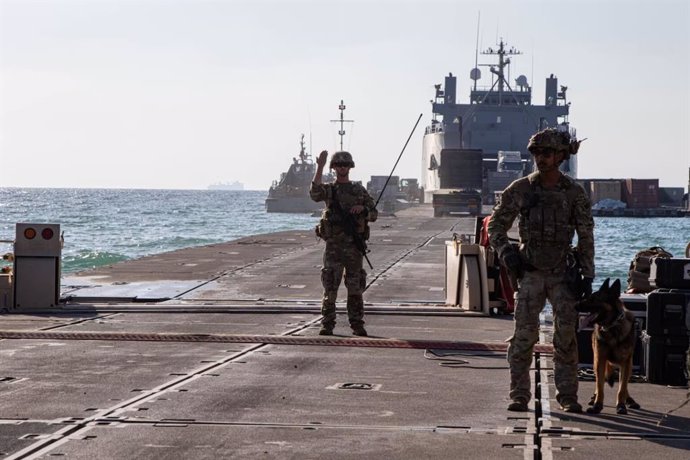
{"x": 320, "y": 164}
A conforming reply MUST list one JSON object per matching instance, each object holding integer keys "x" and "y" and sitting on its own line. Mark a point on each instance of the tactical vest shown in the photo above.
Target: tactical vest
{"x": 547, "y": 225}
{"x": 331, "y": 223}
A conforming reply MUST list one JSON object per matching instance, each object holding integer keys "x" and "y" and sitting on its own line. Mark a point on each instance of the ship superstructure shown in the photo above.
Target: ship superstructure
{"x": 291, "y": 192}
{"x": 498, "y": 118}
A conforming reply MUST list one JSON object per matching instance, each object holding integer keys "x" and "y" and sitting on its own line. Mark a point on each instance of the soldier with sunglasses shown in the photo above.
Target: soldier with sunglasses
{"x": 550, "y": 207}
{"x": 344, "y": 226}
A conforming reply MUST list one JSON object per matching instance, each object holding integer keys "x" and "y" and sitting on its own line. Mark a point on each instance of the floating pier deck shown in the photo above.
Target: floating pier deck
{"x": 212, "y": 352}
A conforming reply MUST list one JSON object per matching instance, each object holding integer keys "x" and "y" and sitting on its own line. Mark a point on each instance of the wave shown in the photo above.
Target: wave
{"x": 86, "y": 260}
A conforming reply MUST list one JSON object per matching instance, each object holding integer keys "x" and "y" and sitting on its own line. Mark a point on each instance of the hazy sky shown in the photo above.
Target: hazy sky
{"x": 185, "y": 93}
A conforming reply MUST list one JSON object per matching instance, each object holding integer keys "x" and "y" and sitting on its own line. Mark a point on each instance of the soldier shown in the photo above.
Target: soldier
{"x": 550, "y": 208}
{"x": 344, "y": 228}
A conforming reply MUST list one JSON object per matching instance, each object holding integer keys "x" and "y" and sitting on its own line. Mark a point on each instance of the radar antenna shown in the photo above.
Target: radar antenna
{"x": 503, "y": 62}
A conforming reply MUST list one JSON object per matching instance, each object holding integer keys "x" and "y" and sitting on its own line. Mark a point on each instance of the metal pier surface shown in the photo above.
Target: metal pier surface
{"x": 213, "y": 352}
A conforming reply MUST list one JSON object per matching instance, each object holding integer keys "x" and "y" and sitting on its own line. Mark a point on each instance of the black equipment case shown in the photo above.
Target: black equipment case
{"x": 664, "y": 358}
{"x": 670, "y": 273}
{"x": 667, "y": 311}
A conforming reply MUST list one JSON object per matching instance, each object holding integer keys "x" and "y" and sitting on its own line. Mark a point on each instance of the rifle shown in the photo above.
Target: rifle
{"x": 350, "y": 228}
{"x": 348, "y": 219}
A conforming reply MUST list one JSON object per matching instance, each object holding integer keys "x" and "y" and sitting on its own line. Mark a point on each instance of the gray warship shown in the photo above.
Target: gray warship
{"x": 480, "y": 147}
{"x": 291, "y": 192}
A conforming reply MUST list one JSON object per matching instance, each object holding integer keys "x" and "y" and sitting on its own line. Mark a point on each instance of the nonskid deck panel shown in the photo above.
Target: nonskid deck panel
{"x": 302, "y": 398}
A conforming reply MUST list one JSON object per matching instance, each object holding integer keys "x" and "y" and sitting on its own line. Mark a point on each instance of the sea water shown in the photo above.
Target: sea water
{"x": 103, "y": 226}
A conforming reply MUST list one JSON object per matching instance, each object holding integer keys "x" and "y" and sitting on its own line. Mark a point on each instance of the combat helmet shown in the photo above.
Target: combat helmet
{"x": 343, "y": 158}
{"x": 552, "y": 138}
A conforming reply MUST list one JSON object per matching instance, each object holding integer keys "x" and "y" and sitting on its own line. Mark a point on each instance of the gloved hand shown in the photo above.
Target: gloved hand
{"x": 586, "y": 286}
{"x": 513, "y": 262}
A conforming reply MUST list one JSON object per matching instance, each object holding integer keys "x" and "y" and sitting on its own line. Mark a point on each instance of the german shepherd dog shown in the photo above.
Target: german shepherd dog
{"x": 613, "y": 343}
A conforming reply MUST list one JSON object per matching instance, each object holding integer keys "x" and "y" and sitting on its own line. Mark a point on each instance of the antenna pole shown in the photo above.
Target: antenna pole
{"x": 476, "y": 48}
{"x": 396, "y": 161}
{"x": 310, "y": 146}
{"x": 342, "y": 121}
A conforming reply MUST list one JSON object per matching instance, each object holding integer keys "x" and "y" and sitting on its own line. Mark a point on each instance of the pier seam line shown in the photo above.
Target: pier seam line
{"x": 404, "y": 256}
{"x": 237, "y": 269}
{"x": 54, "y": 440}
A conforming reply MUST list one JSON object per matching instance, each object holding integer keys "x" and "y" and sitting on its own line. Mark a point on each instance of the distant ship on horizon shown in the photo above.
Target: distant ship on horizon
{"x": 235, "y": 185}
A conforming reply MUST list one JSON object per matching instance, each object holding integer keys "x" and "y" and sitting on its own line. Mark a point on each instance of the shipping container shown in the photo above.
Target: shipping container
{"x": 671, "y": 196}
{"x": 641, "y": 193}
{"x": 605, "y": 190}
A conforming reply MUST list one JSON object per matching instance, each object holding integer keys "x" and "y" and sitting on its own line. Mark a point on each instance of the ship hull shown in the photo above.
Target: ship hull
{"x": 293, "y": 204}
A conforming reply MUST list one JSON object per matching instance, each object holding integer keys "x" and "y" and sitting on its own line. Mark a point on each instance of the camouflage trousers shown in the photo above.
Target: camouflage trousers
{"x": 534, "y": 288}
{"x": 341, "y": 256}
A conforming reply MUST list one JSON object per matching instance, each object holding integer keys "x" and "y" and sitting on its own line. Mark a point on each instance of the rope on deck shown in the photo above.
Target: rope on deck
{"x": 269, "y": 339}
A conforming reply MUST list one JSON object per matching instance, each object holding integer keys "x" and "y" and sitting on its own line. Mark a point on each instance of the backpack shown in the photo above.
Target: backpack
{"x": 638, "y": 273}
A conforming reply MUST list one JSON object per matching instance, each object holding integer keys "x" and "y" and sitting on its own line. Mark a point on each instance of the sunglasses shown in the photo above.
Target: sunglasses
{"x": 339, "y": 165}
{"x": 544, "y": 152}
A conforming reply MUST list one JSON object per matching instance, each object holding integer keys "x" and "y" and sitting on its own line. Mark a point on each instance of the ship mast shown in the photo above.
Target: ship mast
{"x": 302, "y": 152}
{"x": 503, "y": 62}
{"x": 342, "y": 121}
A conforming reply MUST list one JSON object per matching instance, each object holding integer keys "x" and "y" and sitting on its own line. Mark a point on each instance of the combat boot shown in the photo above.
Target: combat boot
{"x": 518, "y": 405}
{"x": 571, "y": 405}
{"x": 326, "y": 330}
{"x": 359, "y": 331}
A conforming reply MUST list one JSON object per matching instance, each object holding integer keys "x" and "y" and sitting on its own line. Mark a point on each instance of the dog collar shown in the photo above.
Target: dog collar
{"x": 615, "y": 322}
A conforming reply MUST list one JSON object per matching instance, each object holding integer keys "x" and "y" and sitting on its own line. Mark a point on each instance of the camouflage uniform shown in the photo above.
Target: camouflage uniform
{"x": 341, "y": 253}
{"x": 548, "y": 220}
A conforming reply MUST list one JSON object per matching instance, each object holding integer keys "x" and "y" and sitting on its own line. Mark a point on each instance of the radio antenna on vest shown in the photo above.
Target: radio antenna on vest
{"x": 396, "y": 161}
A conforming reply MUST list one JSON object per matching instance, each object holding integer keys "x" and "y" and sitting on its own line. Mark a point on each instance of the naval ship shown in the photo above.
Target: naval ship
{"x": 291, "y": 192}
{"x": 467, "y": 146}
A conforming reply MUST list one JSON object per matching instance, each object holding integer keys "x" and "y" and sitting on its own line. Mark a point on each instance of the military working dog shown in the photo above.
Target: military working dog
{"x": 613, "y": 344}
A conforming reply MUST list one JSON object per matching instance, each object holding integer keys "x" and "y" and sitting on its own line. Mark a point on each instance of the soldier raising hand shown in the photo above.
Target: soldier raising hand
{"x": 344, "y": 227}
